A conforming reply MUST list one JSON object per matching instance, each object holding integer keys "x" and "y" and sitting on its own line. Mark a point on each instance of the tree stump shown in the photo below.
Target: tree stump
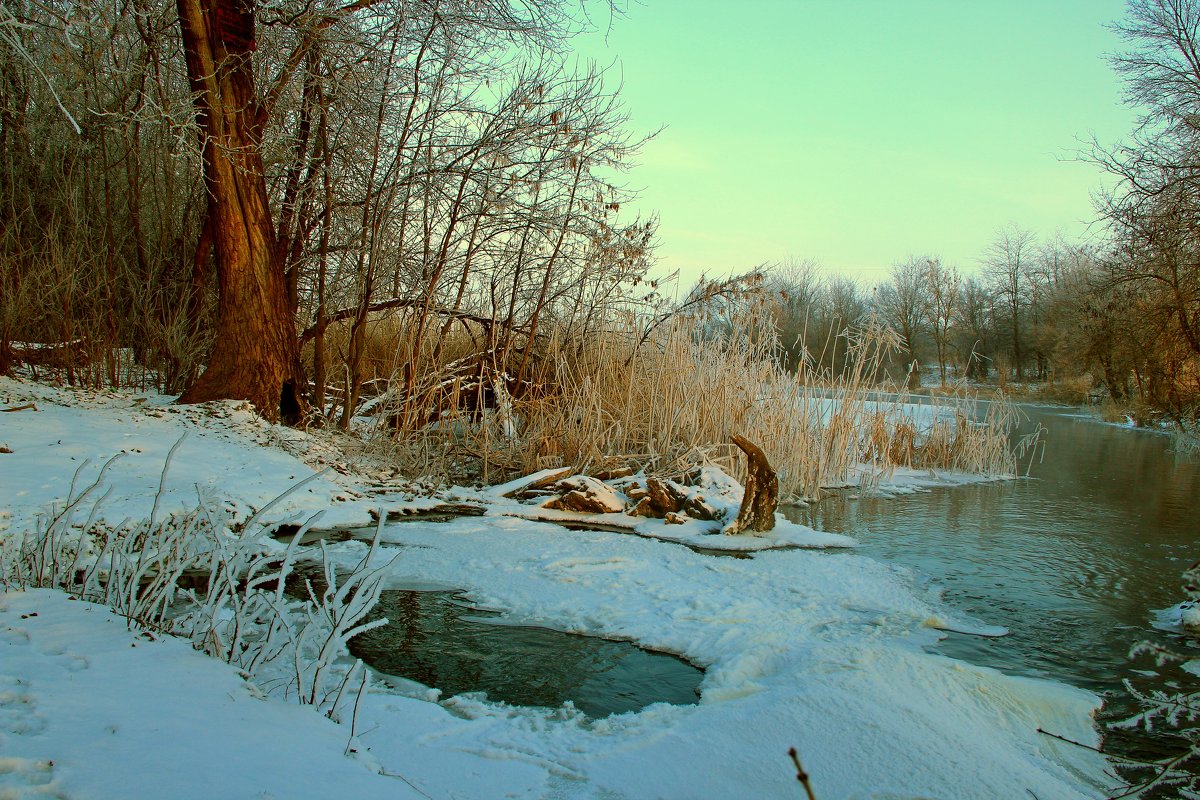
{"x": 762, "y": 492}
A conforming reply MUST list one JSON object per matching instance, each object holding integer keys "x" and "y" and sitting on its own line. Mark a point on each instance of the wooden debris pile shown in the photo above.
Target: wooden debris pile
{"x": 694, "y": 496}
{"x": 671, "y": 501}
{"x": 587, "y": 495}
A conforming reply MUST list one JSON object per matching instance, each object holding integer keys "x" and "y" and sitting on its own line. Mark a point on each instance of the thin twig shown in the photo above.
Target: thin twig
{"x": 801, "y": 775}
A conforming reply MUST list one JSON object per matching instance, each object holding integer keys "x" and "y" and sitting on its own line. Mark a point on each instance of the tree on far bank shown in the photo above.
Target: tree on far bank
{"x": 901, "y": 302}
{"x": 1006, "y": 260}
{"x": 941, "y": 298}
{"x": 973, "y": 322}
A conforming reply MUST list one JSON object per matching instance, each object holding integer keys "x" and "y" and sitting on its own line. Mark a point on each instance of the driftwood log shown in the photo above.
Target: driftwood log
{"x": 529, "y": 483}
{"x": 757, "y": 511}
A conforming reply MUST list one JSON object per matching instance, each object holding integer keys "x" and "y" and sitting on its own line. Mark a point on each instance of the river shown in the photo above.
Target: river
{"x": 1073, "y": 560}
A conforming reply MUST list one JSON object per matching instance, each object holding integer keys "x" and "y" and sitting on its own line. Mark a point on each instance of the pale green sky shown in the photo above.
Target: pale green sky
{"x": 859, "y": 132}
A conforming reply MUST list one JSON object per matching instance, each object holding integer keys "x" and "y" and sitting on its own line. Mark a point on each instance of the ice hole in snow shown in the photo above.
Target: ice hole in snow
{"x": 437, "y": 638}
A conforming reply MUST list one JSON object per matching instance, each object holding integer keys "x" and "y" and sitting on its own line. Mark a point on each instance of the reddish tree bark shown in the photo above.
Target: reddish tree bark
{"x": 256, "y": 354}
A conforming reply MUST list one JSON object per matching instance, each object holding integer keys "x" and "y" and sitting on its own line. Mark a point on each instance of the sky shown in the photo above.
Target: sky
{"x": 858, "y": 133}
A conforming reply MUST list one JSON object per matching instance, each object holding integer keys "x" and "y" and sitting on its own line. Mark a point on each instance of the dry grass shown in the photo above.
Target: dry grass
{"x": 666, "y": 399}
{"x": 1110, "y": 410}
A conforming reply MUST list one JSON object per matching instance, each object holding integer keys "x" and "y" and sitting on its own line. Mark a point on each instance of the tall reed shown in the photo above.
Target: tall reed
{"x": 665, "y": 394}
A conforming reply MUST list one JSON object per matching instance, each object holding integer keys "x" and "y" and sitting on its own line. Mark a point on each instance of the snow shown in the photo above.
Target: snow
{"x": 1182, "y": 617}
{"x": 825, "y": 651}
{"x": 89, "y": 708}
{"x": 229, "y": 455}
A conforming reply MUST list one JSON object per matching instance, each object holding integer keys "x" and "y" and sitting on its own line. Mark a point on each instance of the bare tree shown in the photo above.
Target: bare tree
{"x": 1006, "y": 260}
{"x": 1154, "y": 210}
{"x": 800, "y": 289}
{"x": 940, "y": 301}
{"x": 902, "y": 302}
{"x": 974, "y": 319}
{"x": 256, "y": 353}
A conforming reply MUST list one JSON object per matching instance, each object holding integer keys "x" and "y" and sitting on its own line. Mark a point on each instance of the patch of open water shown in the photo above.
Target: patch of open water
{"x": 436, "y": 638}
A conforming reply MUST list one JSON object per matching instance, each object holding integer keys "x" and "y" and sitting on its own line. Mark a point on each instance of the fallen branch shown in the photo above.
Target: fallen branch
{"x": 443, "y": 512}
{"x": 573, "y": 522}
{"x": 537, "y": 480}
{"x": 26, "y": 407}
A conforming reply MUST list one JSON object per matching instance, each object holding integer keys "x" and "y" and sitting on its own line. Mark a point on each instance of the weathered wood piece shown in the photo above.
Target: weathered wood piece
{"x": 528, "y": 483}
{"x": 587, "y": 495}
{"x": 757, "y": 511}
{"x": 443, "y": 512}
{"x": 613, "y": 474}
{"x": 697, "y": 507}
{"x": 665, "y": 495}
{"x": 609, "y": 525}
{"x": 644, "y": 508}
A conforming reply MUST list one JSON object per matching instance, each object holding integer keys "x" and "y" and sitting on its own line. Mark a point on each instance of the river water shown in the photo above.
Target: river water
{"x": 1073, "y": 560}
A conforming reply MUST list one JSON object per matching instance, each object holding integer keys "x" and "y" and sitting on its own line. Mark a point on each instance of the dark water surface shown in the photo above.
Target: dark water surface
{"x": 436, "y": 639}
{"x": 1073, "y": 560}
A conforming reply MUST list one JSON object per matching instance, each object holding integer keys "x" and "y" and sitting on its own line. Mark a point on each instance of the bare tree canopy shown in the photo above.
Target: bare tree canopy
{"x": 247, "y": 172}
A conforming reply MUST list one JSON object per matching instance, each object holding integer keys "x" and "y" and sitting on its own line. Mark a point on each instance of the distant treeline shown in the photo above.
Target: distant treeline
{"x": 1114, "y": 323}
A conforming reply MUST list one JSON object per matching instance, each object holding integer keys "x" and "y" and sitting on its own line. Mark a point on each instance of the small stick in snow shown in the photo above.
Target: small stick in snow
{"x": 801, "y": 775}
{"x": 362, "y": 689}
{"x": 1071, "y": 741}
{"x": 26, "y": 407}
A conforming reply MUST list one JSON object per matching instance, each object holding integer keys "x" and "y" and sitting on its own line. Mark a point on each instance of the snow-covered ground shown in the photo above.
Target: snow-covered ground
{"x": 820, "y": 650}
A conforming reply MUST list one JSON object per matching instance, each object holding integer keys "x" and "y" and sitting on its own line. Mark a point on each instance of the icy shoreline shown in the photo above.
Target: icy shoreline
{"x": 821, "y": 651}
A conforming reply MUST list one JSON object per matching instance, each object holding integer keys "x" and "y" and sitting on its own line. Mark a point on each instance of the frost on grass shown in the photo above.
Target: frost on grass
{"x": 189, "y": 574}
{"x": 1177, "y": 712}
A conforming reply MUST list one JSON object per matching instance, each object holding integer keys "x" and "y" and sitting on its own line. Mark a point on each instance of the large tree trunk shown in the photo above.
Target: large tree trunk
{"x": 256, "y": 354}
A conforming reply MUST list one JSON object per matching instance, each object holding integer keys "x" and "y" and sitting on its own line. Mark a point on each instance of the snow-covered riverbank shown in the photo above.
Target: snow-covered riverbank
{"x": 818, "y": 650}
